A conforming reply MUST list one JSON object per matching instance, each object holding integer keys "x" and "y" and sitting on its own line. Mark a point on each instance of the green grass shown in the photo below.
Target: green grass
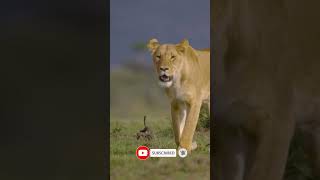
{"x": 135, "y": 93}
{"x": 125, "y": 165}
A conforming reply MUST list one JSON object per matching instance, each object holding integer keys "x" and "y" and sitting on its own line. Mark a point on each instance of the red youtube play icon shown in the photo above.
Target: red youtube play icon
{"x": 142, "y": 152}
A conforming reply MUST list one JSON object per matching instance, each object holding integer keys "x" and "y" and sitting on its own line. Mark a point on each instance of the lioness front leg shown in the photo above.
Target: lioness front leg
{"x": 190, "y": 125}
{"x": 272, "y": 149}
{"x": 178, "y": 115}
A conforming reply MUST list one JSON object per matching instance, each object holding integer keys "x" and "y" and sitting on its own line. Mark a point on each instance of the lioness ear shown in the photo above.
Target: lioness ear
{"x": 182, "y": 46}
{"x": 153, "y": 45}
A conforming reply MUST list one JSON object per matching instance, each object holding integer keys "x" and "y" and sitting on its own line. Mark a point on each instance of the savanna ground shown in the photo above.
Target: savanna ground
{"x": 134, "y": 93}
{"x": 124, "y": 163}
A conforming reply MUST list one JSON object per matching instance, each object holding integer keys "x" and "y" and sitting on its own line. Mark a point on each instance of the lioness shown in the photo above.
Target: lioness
{"x": 266, "y": 86}
{"x": 184, "y": 73}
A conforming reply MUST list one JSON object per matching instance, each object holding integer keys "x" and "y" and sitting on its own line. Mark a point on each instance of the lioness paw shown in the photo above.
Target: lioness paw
{"x": 188, "y": 148}
{"x": 193, "y": 147}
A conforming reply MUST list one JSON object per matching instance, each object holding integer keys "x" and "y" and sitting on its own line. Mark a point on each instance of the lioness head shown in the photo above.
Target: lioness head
{"x": 168, "y": 60}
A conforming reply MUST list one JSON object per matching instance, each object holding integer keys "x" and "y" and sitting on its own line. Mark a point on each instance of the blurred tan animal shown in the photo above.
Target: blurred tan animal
{"x": 266, "y": 86}
{"x": 184, "y": 74}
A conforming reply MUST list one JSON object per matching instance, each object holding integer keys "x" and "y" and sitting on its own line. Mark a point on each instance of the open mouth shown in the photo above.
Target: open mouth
{"x": 165, "y": 78}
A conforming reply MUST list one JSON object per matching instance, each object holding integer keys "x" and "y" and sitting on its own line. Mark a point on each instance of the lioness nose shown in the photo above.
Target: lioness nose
{"x": 164, "y": 68}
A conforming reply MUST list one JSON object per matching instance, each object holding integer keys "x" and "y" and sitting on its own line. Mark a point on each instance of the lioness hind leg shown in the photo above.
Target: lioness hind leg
{"x": 208, "y": 106}
{"x": 194, "y": 145}
{"x": 178, "y": 114}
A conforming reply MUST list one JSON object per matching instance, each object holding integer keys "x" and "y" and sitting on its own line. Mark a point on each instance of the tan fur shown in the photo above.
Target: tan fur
{"x": 189, "y": 89}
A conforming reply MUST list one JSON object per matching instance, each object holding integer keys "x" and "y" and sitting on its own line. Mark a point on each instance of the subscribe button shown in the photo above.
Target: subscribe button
{"x": 143, "y": 153}
{"x": 163, "y": 153}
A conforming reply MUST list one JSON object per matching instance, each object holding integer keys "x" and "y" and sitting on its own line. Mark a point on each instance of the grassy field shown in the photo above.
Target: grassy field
{"x": 125, "y": 165}
{"x": 134, "y": 93}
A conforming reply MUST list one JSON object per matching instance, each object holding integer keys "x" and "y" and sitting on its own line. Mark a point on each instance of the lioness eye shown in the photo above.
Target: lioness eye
{"x": 158, "y": 57}
{"x": 172, "y": 57}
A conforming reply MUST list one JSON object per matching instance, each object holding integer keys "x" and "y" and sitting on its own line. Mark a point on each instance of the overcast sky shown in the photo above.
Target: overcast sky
{"x": 169, "y": 21}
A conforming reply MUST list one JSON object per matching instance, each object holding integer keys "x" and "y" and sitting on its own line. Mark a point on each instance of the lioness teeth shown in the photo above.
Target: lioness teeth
{"x": 165, "y": 78}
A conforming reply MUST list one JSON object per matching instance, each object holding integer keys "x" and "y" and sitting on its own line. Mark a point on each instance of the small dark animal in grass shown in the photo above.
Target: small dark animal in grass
{"x": 145, "y": 133}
